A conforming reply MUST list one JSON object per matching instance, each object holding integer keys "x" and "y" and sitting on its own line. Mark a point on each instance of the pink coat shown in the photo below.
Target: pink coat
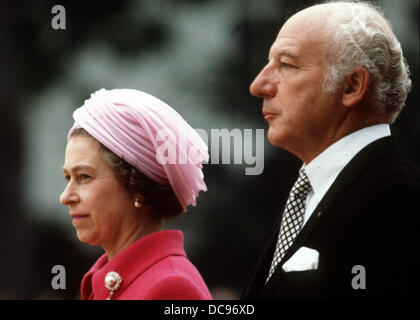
{"x": 153, "y": 268}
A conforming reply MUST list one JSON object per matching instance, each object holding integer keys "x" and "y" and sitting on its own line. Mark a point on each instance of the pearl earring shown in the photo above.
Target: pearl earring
{"x": 137, "y": 203}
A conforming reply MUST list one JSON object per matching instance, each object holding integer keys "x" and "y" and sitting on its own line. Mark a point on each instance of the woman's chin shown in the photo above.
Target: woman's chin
{"x": 84, "y": 237}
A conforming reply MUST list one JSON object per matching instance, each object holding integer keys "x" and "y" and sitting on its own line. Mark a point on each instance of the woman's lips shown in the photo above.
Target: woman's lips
{"x": 78, "y": 217}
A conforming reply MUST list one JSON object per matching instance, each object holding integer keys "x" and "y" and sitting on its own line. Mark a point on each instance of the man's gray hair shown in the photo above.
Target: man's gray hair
{"x": 363, "y": 37}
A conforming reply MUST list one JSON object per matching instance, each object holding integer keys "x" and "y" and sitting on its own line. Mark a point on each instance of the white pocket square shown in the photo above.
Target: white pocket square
{"x": 303, "y": 259}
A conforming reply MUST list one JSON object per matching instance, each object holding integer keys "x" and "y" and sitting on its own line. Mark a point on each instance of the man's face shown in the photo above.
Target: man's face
{"x": 297, "y": 110}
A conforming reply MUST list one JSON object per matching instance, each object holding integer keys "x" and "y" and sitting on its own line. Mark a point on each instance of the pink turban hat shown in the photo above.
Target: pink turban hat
{"x": 149, "y": 135}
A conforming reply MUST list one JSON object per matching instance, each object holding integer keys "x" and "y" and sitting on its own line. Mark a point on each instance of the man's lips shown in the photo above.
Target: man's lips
{"x": 268, "y": 114}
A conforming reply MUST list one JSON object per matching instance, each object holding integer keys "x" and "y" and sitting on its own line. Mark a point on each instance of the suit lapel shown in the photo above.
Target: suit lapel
{"x": 346, "y": 177}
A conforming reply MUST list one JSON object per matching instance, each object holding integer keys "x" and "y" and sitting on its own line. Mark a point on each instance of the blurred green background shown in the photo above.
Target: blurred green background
{"x": 200, "y": 57}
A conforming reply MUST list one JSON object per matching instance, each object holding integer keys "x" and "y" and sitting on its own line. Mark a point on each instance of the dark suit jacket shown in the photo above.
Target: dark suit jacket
{"x": 370, "y": 216}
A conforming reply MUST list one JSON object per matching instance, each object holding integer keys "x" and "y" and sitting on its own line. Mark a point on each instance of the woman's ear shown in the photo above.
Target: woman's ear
{"x": 356, "y": 87}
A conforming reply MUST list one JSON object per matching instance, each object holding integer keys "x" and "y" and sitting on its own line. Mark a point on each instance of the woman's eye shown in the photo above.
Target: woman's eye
{"x": 84, "y": 177}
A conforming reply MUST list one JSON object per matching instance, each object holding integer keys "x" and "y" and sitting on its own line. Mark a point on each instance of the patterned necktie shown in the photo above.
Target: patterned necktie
{"x": 292, "y": 220}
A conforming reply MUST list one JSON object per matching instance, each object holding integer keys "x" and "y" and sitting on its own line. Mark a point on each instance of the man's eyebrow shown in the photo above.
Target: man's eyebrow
{"x": 287, "y": 53}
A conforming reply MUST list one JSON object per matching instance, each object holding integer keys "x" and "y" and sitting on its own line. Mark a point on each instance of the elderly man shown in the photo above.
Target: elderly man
{"x": 335, "y": 80}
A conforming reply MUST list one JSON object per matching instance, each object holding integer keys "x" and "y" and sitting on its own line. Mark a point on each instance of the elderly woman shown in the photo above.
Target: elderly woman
{"x": 132, "y": 161}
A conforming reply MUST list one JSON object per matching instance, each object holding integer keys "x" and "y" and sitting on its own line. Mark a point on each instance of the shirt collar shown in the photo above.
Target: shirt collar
{"x": 324, "y": 169}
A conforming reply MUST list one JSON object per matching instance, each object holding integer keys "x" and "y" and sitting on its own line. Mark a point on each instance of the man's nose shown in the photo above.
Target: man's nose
{"x": 69, "y": 195}
{"x": 263, "y": 85}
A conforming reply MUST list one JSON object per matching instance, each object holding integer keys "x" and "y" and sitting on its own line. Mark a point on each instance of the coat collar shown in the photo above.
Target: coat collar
{"x": 131, "y": 262}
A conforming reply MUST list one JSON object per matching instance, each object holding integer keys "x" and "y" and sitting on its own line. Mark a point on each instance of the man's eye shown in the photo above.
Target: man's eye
{"x": 285, "y": 65}
{"x": 67, "y": 178}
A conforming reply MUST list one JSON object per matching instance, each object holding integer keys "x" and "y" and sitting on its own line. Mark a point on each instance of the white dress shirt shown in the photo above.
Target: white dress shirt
{"x": 324, "y": 169}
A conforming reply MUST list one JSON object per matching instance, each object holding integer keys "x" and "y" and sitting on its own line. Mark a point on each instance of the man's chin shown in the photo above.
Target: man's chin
{"x": 275, "y": 138}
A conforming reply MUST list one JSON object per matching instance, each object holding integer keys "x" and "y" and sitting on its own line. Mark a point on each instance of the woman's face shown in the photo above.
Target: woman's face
{"x": 102, "y": 210}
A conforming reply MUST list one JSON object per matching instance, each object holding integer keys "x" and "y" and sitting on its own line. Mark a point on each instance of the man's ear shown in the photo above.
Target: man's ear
{"x": 356, "y": 86}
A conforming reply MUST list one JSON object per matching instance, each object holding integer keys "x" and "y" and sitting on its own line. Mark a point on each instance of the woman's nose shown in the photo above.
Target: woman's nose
{"x": 263, "y": 85}
{"x": 68, "y": 196}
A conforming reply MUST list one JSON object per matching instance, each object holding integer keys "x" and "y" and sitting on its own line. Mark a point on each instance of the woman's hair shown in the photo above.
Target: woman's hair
{"x": 160, "y": 197}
